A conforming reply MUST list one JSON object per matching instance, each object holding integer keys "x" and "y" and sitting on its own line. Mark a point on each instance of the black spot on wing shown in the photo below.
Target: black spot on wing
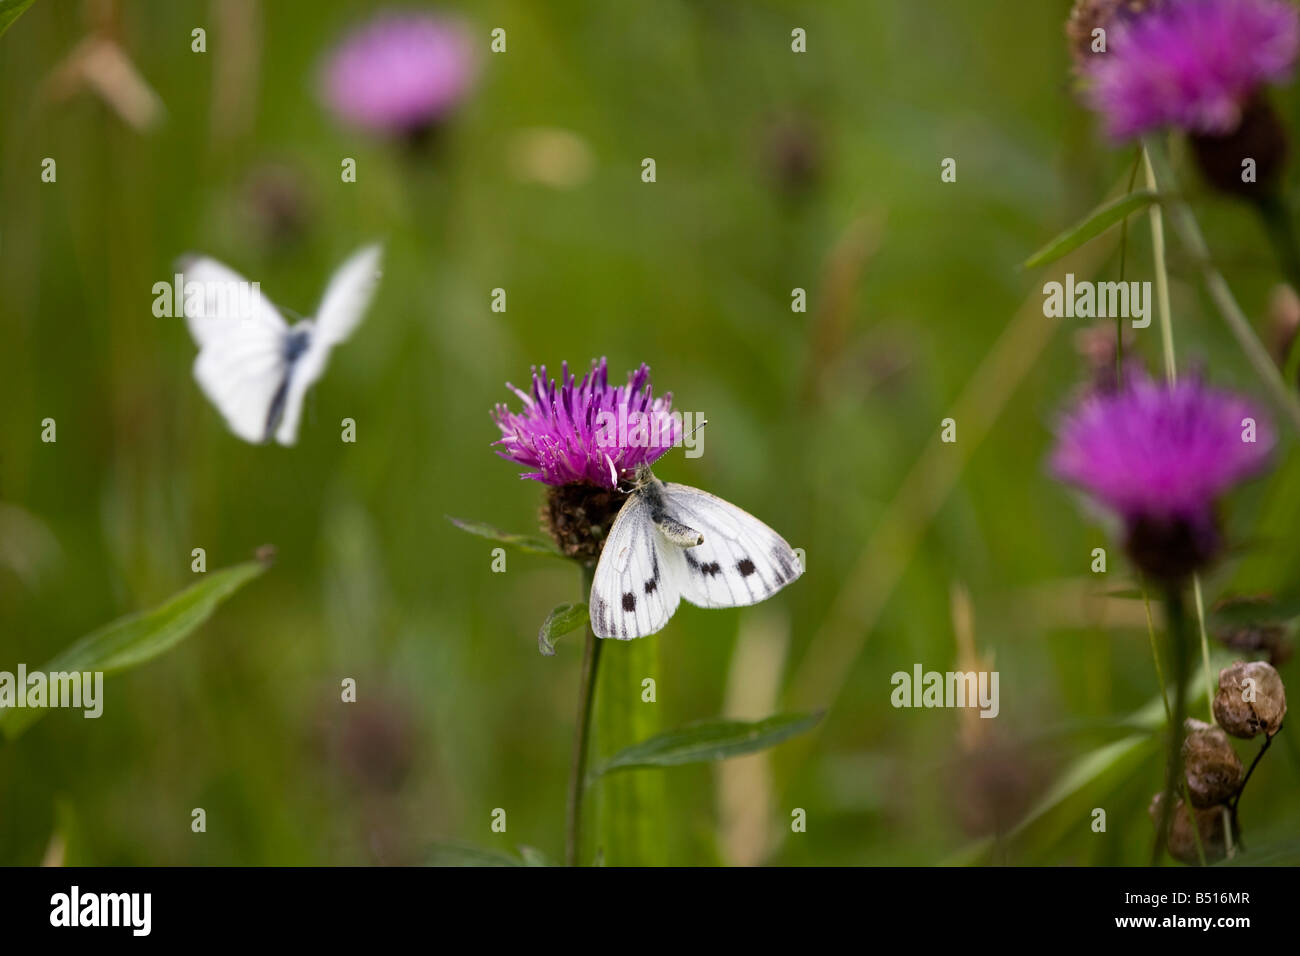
{"x": 711, "y": 569}
{"x": 745, "y": 567}
{"x": 651, "y": 585}
{"x": 629, "y": 602}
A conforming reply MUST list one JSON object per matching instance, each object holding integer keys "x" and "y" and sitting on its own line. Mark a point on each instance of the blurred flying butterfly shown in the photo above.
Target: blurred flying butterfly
{"x": 253, "y": 366}
{"x": 670, "y": 542}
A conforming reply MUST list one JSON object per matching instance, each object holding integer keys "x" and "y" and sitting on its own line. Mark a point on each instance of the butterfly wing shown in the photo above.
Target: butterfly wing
{"x": 741, "y": 560}
{"x": 635, "y": 590}
{"x": 225, "y": 298}
{"x": 241, "y": 337}
{"x": 348, "y": 296}
{"x": 345, "y": 301}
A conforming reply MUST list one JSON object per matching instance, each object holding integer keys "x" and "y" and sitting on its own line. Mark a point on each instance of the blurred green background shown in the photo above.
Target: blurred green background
{"x": 775, "y": 170}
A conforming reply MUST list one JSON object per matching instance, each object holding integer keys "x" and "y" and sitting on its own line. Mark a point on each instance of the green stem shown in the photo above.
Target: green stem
{"x": 582, "y": 733}
{"x": 1178, "y": 639}
{"x": 1205, "y": 646}
{"x": 1171, "y": 375}
{"x": 632, "y": 822}
{"x": 1123, "y": 257}
{"x": 1161, "y": 272}
{"x": 1155, "y": 655}
{"x": 1189, "y": 232}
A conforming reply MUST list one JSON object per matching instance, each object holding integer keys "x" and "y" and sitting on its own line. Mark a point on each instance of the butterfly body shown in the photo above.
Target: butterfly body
{"x": 671, "y": 542}
{"x": 253, "y": 366}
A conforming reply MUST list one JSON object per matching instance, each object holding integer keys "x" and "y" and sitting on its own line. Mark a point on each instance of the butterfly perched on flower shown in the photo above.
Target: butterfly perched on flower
{"x": 654, "y": 543}
{"x": 672, "y": 542}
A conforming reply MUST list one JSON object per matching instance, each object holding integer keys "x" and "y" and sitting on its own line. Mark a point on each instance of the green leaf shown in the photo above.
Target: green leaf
{"x": 709, "y": 740}
{"x": 132, "y": 640}
{"x": 1093, "y": 225}
{"x": 11, "y": 10}
{"x": 563, "y": 619}
{"x": 1093, "y": 774}
{"x": 528, "y": 543}
{"x": 1122, "y": 755}
{"x": 457, "y": 854}
{"x": 1246, "y": 611}
{"x": 1286, "y": 853}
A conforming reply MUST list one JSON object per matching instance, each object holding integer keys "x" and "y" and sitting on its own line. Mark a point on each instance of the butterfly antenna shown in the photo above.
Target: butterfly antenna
{"x": 703, "y": 422}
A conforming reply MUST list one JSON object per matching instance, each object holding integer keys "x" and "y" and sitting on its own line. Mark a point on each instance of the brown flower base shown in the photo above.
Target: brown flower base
{"x": 1260, "y": 136}
{"x": 578, "y": 517}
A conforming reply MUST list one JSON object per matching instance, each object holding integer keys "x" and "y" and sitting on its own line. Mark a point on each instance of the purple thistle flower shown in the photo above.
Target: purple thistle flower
{"x": 587, "y": 432}
{"x": 399, "y": 73}
{"x": 1161, "y": 456}
{"x": 1191, "y": 64}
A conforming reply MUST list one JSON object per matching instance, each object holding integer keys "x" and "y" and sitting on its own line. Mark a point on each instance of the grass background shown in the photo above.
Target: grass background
{"x": 816, "y": 422}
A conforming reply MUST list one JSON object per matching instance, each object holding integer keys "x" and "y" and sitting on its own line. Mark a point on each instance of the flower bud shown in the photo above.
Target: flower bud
{"x": 1251, "y": 699}
{"x": 1210, "y": 822}
{"x": 1213, "y": 768}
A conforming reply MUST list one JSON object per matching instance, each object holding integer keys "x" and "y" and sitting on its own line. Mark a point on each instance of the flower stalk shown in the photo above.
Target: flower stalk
{"x": 582, "y": 733}
{"x": 1178, "y": 638}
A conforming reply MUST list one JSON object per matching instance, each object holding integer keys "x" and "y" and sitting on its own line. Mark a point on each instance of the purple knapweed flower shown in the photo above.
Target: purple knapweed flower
{"x": 1161, "y": 456}
{"x": 1191, "y": 64}
{"x": 587, "y": 432}
{"x": 400, "y": 73}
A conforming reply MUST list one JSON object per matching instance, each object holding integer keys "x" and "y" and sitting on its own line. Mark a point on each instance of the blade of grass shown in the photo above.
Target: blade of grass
{"x": 11, "y": 10}
{"x": 1104, "y": 217}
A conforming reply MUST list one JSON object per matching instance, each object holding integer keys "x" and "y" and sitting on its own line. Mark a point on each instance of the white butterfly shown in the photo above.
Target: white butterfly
{"x": 671, "y": 542}
{"x": 254, "y": 367}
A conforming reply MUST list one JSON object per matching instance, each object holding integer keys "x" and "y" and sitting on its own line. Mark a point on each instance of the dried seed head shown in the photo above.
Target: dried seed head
{"x": 1269, "y": 638}
{"x": 1213, "y": 768}
{"x": 1211, "y": 823}
{"x": 1251, "y": 699}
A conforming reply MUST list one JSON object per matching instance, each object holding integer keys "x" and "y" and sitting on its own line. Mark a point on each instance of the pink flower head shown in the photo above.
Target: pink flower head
{"x": 1191, "y": 64}
{"x": 587, "y": 432}
{"x": 1161, "y": 456}
{"x": 399, "y": 73}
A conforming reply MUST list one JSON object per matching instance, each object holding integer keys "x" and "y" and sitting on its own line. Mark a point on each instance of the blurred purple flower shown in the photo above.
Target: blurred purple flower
{"x": 587, "y": 432}
{"x": 1191, "y": 64}
{"x": 1161, "y": 456}
{"x": 400, "y": 73}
